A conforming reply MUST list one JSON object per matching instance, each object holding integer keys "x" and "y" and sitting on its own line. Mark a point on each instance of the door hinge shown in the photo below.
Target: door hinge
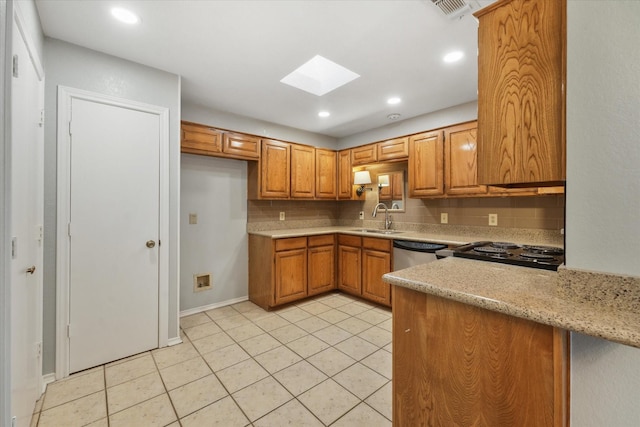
{"x": 69, "y": 229}
{"x": 69, "y": 331}
{"x": 70, "y": 133}
{"x": 14, "y": 66}
{"x": 41, "y": 123}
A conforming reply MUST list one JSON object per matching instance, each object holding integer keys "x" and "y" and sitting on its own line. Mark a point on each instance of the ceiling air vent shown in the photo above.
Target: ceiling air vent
{"x": 453, "y": 8}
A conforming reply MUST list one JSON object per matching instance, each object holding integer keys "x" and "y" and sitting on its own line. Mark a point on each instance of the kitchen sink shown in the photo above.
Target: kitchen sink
{"x": 374, "y": 231}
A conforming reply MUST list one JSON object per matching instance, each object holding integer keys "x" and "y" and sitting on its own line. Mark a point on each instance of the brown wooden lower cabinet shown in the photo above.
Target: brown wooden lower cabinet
{"x": 361, "y": 264}
{"x": 459, "y": 365}
{"x": 321, "y": 261}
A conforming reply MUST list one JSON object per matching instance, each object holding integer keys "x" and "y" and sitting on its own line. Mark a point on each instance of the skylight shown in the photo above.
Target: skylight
{"x": 319, "y": 76}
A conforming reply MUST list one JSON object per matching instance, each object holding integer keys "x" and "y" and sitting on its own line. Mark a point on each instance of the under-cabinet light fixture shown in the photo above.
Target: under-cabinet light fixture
{"x": 362, "y": 178}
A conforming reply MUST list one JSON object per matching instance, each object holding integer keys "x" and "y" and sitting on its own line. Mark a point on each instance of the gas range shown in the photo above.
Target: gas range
{"x": 535, "y": 256}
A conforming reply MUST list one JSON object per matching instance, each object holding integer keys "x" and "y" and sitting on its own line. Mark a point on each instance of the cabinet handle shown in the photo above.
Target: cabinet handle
{"x": 31, "y": 269}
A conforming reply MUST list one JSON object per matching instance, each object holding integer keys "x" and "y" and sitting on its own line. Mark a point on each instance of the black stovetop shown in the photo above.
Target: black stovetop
{"x": 535, "y": 256}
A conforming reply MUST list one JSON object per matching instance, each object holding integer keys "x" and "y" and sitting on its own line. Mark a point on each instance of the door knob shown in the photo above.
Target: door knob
{"x": 151, "y": 244}
{"x": 31, "y": 269}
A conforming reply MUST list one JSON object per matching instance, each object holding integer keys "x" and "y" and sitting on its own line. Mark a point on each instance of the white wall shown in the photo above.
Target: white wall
{"x": 603, "y": 192}
{"x": 77, "y": 67}
{"x": 216, "y": 190}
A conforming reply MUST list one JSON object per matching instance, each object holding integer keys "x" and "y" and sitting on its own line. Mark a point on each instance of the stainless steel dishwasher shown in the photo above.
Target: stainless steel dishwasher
{"x": 407, "y": 253}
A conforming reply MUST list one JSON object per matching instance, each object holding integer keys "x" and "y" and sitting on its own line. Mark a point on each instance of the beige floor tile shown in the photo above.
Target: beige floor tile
{"x": 232, "y": 322}
{"x": 380, "y": 361}
{"x": 300, "y": 377}
{"x": 259, "y": 344}
{"x": 312, "y": 324}
{"x": 291, "y": 414}
{"x": 362, "y": 416}
{"x": 104, "y": 422}
{"x": 194, "y": 320}
{"x": 307, "y": 346}
{"x": 245, "y": 306}
{"x": 202, "y": 330}
{"x": 244, "y": 332}
{"x": 72, "y": 388}
{"x": 335, "y": 301}
{"x": 331, "y": 361}
{"x": 372, "y": 316}
{"x": 332, "y": 335}
{"x": 294, "y": 314}
{"x": 184, "y": 372}
{"x": 35, "y": 417}
{"x": 225, "y": 357}
{"x": 169, "y": 356}
{"x": 271, "y": 322}
{"x": 241, "y": 375}
{"x": 222, "y": 312}
{"x": 354, "y": 325}
{"x": 196, "y": 395}
{"x": 38, "y": 406}
{"x": 364, "y": 304}
{"x": 184, "y": 337}
{"x": 223, "y": 413}
{"x": 352, "y": 308}
{"x": 78, "y": 412}
{"x": 316, "y": 308}
{"x": 129, "y": 370}
{"x": 288, "y": 333}
{"x": 328, "y": 401}
{"x": 125, "y": 395}
{"x": 261, "y": 398}
{"x": 387, "y": 325}
{"x": 155, "y": 412}
{"x": 376, "y": 336}
{"x": 277, "y": 359}
{"x": 381, "y": 400}
{"x": 388, "y": 347}
{"x": 334, "y": 316}
{"x": 356, "y": 348}
{"x": 212, "y": 342}
{"x": 360, "y": 380}
{"x": 117, "y": 362}
{"x": 256, "y": 315}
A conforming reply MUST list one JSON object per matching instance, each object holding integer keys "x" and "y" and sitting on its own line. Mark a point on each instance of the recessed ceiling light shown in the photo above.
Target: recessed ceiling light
{"x": 453, "y": 56}
{"x": 324, "y": 114}
{"x": 394, "y": 100}
{"x": 125, "y": 15}
{"x": 319, "y": 76}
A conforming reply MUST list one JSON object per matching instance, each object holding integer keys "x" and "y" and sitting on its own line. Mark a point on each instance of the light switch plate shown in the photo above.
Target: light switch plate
{"x": 193, "y": 218}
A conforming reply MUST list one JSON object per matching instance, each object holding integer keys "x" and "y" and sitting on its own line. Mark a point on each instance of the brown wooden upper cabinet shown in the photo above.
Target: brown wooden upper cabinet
{"x": 426, "y": 171}
{"x": 364, "y": 155}
{"x": 275, "y": 172}
{"x": 521, "y": 97}
{"x": 345, "y": 175}
{"x": 208, "y": 141}
{"x": 303, "y": 171}
{"x": 393, "y": 149}
{"x": 460, "y": 162}
{"x": 326, "y": 174}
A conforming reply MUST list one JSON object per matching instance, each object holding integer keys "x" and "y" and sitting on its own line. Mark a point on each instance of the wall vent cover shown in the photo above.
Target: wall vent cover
{"x": 453, "y": 8}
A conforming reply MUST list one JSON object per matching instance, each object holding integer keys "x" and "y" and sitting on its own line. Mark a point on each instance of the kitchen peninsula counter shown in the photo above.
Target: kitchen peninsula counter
{"x": 596, "y": 304}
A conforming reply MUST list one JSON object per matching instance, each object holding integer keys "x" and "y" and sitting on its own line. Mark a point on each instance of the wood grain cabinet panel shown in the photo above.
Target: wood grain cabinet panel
{"x": 461, "y": 160}
{"x": 426, "y": 169}
{"x": 374, "y": 265}
{"x": 290, "y": 275}
{"x": 345, "y": 175}
{"x": 303, "y": 171}
{"x": 199, "y": 139}
{"x": 349, "y": 267}
{"x": 521, "y": 98}
{"x": 241, "y": 145}
{"x": 326, "y": 174}
{"x": 364, "y": 155}
{"x": 455, "y": 364}
{"x": 393, "y": 149}
{"x": 275, "y": 169}
{"x": 321, "y": 255}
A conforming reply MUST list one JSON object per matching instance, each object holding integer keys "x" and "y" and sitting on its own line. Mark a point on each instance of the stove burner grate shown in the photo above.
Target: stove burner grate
{"x": 545, "y": 250}
{"x": 492, "y": 252}
{"x": 505, "y": 245}
{"x": 537, "y": 257}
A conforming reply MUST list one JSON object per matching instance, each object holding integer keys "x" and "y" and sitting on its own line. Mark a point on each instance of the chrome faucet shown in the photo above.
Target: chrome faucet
{"x": 387, "y": 217}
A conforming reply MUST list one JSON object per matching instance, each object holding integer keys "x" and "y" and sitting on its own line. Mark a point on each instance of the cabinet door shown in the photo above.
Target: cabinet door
{"x": 521, "y": 100}
{"x": 393, "y": 149}
{"x": 349, "y": 279}
{"x": 322, "y": 269}
{"x": 326, "y": 174}
{"x": 274, "y": 170}
{"x": 374, "y": 265}
{"x": 290, "y": 275}
{"x": 364, "y": 155}
{"x": 241, "y": 145}
{"x": 397, "y": 186}
{"x": 426, "y": 160}
{"x": 345, "y": 175}
{"x": 384, "y": 193}
{"x": 461, "y": 161}
{"x": 303, "y": 171}
{"x": 198, "y": 139}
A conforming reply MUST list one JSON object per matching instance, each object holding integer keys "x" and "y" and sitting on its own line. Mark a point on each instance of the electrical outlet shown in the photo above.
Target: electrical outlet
{"x": 361, "y": 215}
{"x": 493, "y": 219}
{"x": 444, "y": 218}
{"x": 193, "y": 218}
{"x": 281, "y": 216}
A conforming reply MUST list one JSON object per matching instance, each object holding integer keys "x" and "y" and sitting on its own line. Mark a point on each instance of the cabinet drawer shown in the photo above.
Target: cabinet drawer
{"x": 393, "y": 149}
{"x": 240, "y": 145}
{"x": 292, "y": 243}
{"x": 347, "y": 240}
{"x": 383, "y": 245}
{"x": 328, "y": 239}
{"x": 364, "y": 155}
{"x": 200, "y": 139}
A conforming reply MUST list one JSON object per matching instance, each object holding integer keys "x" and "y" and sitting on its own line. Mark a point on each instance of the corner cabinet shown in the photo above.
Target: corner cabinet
{"x": 270, "y": 178}
{"x": 426, "y": 168}
{"x": 345, "y": 175}
{"x": 521, "y": 93}
{"x": 455, "y": 364}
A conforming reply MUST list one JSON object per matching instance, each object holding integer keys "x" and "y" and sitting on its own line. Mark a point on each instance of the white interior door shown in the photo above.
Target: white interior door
{"x": 26, "y": 231}
{"x": 114, "y": 228}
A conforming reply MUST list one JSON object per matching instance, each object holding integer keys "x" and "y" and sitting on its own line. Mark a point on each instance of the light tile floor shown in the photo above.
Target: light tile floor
{"x": 323, "y": 362}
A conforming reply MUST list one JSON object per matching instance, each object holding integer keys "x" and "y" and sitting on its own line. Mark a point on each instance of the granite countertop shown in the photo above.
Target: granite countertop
{"x": 597, "y": 304}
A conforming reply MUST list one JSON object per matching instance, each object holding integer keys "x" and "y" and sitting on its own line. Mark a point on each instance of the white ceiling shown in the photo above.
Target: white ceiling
{"x": 232, "y": 54}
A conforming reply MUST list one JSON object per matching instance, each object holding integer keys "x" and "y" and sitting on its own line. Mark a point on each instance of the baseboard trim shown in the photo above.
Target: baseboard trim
{"x": 174, "y": 341}
{"x": 197, "y": 310}
{"x": 47, "y": 379}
